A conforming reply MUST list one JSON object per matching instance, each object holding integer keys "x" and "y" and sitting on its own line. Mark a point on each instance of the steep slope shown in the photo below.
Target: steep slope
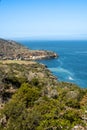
{"x": 31, "y": 98}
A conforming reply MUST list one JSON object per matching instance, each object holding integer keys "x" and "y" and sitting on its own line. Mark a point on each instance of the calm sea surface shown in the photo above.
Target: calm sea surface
{"x": 71, "y": 66}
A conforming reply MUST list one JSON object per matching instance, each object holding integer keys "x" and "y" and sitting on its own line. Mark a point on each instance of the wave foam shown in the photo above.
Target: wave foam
{"x": 63, "y": 73}
{"x": 62, "y": 70}
{"x": 70, "y": 78}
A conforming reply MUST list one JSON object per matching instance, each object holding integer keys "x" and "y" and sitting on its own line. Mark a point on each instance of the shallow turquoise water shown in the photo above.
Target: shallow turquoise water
{"x": 71, "y": 66}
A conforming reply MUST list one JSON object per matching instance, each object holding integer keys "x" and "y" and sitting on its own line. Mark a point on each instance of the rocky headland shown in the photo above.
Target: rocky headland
{"x": 11, "y": 50}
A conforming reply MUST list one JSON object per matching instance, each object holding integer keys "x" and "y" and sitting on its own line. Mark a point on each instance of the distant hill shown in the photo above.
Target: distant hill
{"x": 11, "y": 50}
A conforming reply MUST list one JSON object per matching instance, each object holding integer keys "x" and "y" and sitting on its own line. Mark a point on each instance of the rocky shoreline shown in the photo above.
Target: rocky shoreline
{"x": 10, "y": 50}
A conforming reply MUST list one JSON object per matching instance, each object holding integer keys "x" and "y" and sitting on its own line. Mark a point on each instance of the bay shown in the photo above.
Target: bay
{"x": 71, "y": 66}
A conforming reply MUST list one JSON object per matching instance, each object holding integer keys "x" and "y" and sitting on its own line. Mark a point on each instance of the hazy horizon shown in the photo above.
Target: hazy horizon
{"x": 43, "y": 20}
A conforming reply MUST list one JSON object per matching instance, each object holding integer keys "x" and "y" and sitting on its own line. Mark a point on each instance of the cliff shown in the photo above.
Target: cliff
{"x": 10, "y": 50}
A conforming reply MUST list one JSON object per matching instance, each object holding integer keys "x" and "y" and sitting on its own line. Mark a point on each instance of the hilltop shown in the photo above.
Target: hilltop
{"x": 11, "y": 50}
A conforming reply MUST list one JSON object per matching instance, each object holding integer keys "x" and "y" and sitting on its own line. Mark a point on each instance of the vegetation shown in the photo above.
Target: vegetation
{"x": 31, "y": 98}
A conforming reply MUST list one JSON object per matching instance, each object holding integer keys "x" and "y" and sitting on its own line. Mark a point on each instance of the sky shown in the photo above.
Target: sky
{"x": 43, "y": 19}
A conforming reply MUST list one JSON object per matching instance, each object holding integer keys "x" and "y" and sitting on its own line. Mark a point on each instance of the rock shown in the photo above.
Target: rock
{"x": 51, "y": 93}
{"x": 72, "y": 94}
{"x": 79, "y": 127}
{"x": 54, "y": 94}
{"x": 10, "y": 50}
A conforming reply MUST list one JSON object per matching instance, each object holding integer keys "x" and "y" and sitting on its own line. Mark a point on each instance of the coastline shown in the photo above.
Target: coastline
{"x": 11, "y": 50}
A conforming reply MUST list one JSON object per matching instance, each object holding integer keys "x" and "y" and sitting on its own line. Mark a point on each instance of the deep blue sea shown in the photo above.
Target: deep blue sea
{"x": 71, "y": 66}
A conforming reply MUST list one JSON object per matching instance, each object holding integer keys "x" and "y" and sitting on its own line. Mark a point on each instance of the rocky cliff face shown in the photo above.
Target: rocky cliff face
{"x": 10, "y": 50}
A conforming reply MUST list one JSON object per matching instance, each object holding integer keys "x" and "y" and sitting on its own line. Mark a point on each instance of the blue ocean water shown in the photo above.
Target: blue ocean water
{"x": 71, "y": 66}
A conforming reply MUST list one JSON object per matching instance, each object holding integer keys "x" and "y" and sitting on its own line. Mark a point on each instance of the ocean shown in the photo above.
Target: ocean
{"x": 71, "y": 65}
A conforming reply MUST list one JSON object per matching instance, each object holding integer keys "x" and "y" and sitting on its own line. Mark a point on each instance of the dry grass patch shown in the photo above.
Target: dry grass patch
{"x": 17, "y": 61}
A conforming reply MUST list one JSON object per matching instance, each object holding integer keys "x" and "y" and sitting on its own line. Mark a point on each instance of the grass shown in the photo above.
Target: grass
{"x": 17, "y": 61}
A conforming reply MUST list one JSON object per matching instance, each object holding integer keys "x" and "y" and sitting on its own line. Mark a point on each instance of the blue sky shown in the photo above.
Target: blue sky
{"x": 43, "y": 19}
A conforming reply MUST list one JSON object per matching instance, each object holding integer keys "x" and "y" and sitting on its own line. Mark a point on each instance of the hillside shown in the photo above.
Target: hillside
{"x": 11, "y": 50}
{"x": 31, "y": 98}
